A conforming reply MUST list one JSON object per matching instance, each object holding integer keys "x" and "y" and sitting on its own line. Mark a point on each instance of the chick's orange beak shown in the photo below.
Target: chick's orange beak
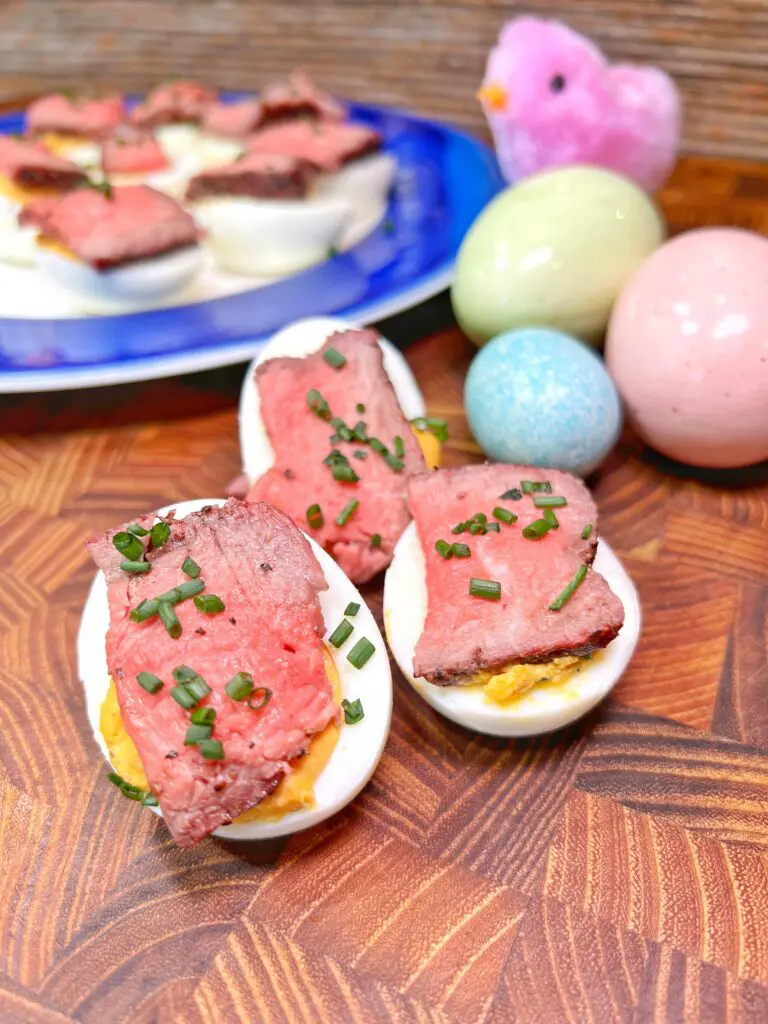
{"x": 493, "y": 96}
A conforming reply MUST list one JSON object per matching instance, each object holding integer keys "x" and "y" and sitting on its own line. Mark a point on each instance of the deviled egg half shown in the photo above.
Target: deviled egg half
{"x": 340, "y": 760}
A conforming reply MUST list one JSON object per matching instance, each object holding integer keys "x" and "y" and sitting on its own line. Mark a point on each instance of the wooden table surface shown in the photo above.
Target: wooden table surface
{"x": 614, "y": 871}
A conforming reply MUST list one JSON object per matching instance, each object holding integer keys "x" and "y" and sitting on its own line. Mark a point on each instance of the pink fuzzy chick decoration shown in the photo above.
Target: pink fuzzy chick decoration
{"x": 552, "y": 99}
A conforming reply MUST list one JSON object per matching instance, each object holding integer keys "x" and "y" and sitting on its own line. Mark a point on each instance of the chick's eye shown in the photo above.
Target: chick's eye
{"x": 557, "y": 84}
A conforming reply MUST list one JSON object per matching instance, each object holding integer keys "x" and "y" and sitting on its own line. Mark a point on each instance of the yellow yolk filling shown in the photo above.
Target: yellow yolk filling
{"x": 294, "y": 792}
{"x": 62, "y": 145}
{"x": 430, "y": 447}
{"x": 514, "y": 681}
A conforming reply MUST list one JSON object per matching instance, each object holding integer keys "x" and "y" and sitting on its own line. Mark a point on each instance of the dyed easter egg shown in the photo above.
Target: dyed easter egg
{"x": 555, "y": 250}
{"x": 688, "y": 348}
{"x": 539, "y": 397}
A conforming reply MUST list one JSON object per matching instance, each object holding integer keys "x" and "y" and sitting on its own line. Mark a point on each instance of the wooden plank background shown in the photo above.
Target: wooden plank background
{"x": 421, "y": 54}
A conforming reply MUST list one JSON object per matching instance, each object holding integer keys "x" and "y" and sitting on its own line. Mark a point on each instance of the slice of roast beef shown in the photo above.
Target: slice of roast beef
{"x": 256, "y": 176}
{"x": 30, "y": 165}
{"x": 173, "y": 103}
{"x": 233, "y": 120}
{"x": 257, "y": 562}
{"x": 132, "y": 151}
{"x": 134, "y": 222}
{"x": 301, "y": 476}
{"x": 325, "y": 144}
{"x": 84, "y": 116}
{"x": 463, "y": 633}
{"x": 298, "y": 96}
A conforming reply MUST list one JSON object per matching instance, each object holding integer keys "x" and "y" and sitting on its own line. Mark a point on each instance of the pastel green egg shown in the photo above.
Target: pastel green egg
{"x": 555, "y": 250}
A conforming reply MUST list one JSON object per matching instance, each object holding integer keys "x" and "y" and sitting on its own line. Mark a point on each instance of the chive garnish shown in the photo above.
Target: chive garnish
{"x": 183, "y": 697}
{"x": 130, "y": 547}
{"x": 492, "y": 527}
{"x": 475, "y": 528}
{"x": 182, "y": 592}
{"x": 511, "y": 495}
{"x": 434, "y": 425}
{"x": 564, "y": 597}
{"x": 334, "y": 358}
{"x": 480, "y": 517}
{"x": 360, "y": 431}
{"x": 203, "y": 716}
{"x": 551, "y": 518}
{"x": 211, "y": 604}
{"x": 550, "y": 501}
{"x": 343, "y": 472}
{"x": 240, "y": 686}
{"x": 183, "y": 674}
{"x": 352, "y": 609}
{"x": 361, "y": 652}
{"x": 126, "y": 788}
{"x": 489, "y": 589}
{"x": 394, "y": 463}
{"x": 347, "y": 512}
{"x": 149, "y": 682}
{"x": 504, "y": 515}
{"x": 137, "y": 531}
{"x": 443, "y": 548}
{"x": 134, "y": 568}
{"x": 586, "y": 533}
{"x": 399, "y": 447}
{"x": 359, "y": 454}
{"x": 315, "y": 517}
{"x": 360, "y": 407}
{"x": 149, "y": 800}
{"x": 536, "y": 486}
{"x": 169, "y": 619}
{"x": 198, "y": 688}
{"x": 353, "y": 711}
{"x": 375, "y": 540}
{"x": 259, "y": 698}
{"x": 378, "y": 447}
{"x": 195, "y": 733}
{"x": 159, "y": 534}
{"x": 459, "y": 527}
{"x": 212, "y": 750}
{"x": 461, "y": 550}
{"x": 318, "y": 404}
{"x": 143, "y": 611}
{"x": 537, "y": 529}
{"x": 190, "y": 568}
{"x": 341, "y": 634}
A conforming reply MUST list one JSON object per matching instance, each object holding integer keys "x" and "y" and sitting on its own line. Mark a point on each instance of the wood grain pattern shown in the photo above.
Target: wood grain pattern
{"x": 616, "y": 871}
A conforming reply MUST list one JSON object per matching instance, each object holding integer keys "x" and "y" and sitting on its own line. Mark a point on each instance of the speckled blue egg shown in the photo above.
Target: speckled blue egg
{"x": 539, "y": 397}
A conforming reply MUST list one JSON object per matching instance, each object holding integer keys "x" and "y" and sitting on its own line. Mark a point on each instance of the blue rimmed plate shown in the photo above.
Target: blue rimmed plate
{"x": 444, "y": 179}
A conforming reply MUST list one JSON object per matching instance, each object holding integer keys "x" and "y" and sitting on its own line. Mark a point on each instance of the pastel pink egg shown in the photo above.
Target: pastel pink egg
{"x": 687, "y": 347}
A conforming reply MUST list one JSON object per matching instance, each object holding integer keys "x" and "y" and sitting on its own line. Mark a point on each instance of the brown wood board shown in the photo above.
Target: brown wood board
{"x": 614, "y": 871}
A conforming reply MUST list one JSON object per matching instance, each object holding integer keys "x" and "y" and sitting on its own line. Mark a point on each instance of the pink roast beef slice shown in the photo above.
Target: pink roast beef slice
{"x": 131, "y": 151}
{"x": 173, "y": 103}
{"x": 326, "y": 144}
{"x": 255, "y": 176}
{"x": 91, "y": 118}
{"x": 301, "y": 441}
{"x": 31, "y": 165}
{"x": 136, "y": 222}
{"x": 298, "y": 96}
{"x": 257, "y": 562}
{"x": 233, "y": 120}
{"x": 463, "y": 633}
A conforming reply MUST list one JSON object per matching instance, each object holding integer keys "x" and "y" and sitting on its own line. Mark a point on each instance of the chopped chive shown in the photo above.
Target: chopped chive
{"x": 378, "y": 447}
{"x": 137, "y": 531}
{"x": 360, "y": 454}
{"x": 434, "y": 425}
{"x": 315, "y": 517}
{"x": 551, "y": 518}
{"x": 565, "y": 595}
{"x": 203, "y": 716}
{"x": 476, "y": 528}
{"x": 149, "y": 682}
{"x": 259, "y": 698}
{"x": 443, "y": 548}
{"x": 211, "y": 604}
{"x": 195, "y": 733}
{"x": 143, "y": 611}
{"x": 318, "y": 404}
{"x": 536, "y": 486}
{"x": 190, "y": 568}
{"x": 480, "y": 517}
{"x": 212, "y": 750}
{"x": 512, "y": 495}
{"x": 130, "y": 547}
{"x": 399, "y": 447}
{"x": 182, "y": 592}
{"x": 333, "y": 456}
{"x": 537, "y": 529}
{"x": 504, "y": 515}
{"x": 360, "y": 431}
{"x": 198, "y": 689}
{"x": 353, "y": 711}
{"x": 493, "y": 527}
{"x": 334, "y": 358}
{"x": 361, "y": 652}
{"x": 489, "y": 589}
{"x": 183, "y": 674}
{"x": 352, "y": 609}
{"x": 459, "y": 527}
{"x": 394, "y": 463}
{"x": 346, "y": 434}
{"x": 375, "y": 540}
{"x": 135, "y": 567}
{"x": 550, "y": 501}
{"x": 169, "y": 619}
{"x": 341, "y": 634}
{"x": 159, "y": 534}
{"x": 240, "y": 686}
{"x": 360, "y": 407}
{"x": 461, "y": 550}
{"x": 183, "y": 697}
{"x": 149, "y": 800}
{"x": 115, "y": 779}
{"x": 343, "y": 472}
{"x": 586, "y": 533}
{"x": 347, "y": 512}
{"x": 388, "y": 227}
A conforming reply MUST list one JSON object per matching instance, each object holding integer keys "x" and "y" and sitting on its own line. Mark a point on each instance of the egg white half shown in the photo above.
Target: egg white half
{"x": 542, "y": 709}
{"x": 136, "y": 285}
{"x": 270, "y": 237}
{"x": 18, "y": 245}
{"x": 218, "y": 150}
{"x": 179, "y": 141}
{"x": 359, "y": 746}
{"x": 301, "y": 339}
